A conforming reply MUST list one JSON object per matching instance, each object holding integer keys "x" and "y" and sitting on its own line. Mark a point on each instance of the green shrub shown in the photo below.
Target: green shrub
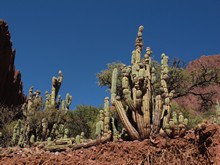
{"x": 83, "y": 119}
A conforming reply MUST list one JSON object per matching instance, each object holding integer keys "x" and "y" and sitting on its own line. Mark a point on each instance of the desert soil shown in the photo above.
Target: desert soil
{"x": 157, "y": 151}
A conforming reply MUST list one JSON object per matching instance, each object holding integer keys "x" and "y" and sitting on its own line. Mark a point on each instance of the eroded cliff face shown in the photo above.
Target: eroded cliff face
{"x": 11, "y": 88}
{"x": 194, "y": 102}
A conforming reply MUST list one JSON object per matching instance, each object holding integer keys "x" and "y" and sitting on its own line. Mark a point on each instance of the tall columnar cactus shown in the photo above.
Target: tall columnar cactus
{"x": 106, "y": 125}
{"x": 68, "y": 100}
{"x": 42, "y": 124}
{"x": 139, "y": 110}
{"x": 56, "y": 83}
{"x": 100, "y": 125}
{"x": 66, "y": 103}
{"x": 114, "y": 84}
{"x": 106, "y": 116}
{"x": 16, "y": 132}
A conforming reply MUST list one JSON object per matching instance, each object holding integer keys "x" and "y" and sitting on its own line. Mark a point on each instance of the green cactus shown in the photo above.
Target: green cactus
{"x": 16, "y": 132}
{"x": 44, "y": 127}
{"x": 105, "y": 127}
{"x": 32, "y": 139}
{"x": 177, "y": 124}
{"x": 106, "y": 123}
{"x": 98, "y": 130}
{"x": 61, "y": 131}
{"x": 82, "y": 137}
{"x": 100, "y": 125}
{"x": 56, "y": 83}
{"x": 181, "y": 118}
{"x": 218, "y": 112}
{"x": 54, "y": 131}
{"x": 48, "y": 99}
{"x": 21, "y": 137}
{"x": 77, "y": 139}
{"x": 66, "y": 133}
{"x": 58, "y": 102}
{"x": 185, "y": 122}
{"x": 42, "y": 120}
{"x": 114, "y": 131}
{"x": 63, "y": 105}
{"x": 68, "y": 100}
{"x": 114, "y": 84}
{"x": 49, "y": 141}
{"x": 147, "y": 111}
{"x": 168, "y": 130}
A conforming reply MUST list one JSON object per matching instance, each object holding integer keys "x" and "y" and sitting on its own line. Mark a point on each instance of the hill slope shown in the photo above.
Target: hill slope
{"x": 192, "y": 101}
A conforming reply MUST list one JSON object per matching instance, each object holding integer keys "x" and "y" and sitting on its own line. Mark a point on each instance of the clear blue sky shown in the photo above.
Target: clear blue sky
{"x": 81, "y": 36}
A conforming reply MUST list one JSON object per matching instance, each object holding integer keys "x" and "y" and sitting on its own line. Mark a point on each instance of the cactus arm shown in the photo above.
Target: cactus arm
{"x": 157, "y": 115}
{"x": 139, "y": 44}
{"x": 124, "y": 119}
{"x": 142, "y": 129}
{"x": 56, "y": 83}
{"x": 133, "y": 110}
{"x": 146, "y": 114}
{"x": 114, "y": 84}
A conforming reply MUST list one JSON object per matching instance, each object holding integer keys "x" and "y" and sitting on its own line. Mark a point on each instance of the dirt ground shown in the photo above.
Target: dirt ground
{"x": 189, "y": 150}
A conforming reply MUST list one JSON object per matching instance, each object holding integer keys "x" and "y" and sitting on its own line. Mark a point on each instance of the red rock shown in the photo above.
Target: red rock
{"x": 11, "y": 88}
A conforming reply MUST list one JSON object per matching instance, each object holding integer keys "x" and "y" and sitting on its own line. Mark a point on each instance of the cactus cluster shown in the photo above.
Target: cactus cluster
{"x": 177, "y": 125}
{"x": 142, "y": 113}
{"x": 16, "y": 133}
{"x": 80, "y": 138}
{"x": 105, "y": 131}
{"x": 48, "y": 129}
{"x": 106, "y": 124}
{"x": 42, "y": 120}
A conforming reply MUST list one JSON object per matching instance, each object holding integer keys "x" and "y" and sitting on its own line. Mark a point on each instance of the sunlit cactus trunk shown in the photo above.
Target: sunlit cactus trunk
{"x": 56, "y": 83}
{"x": 140, "y": 111}
{"x": 114, "y": 84}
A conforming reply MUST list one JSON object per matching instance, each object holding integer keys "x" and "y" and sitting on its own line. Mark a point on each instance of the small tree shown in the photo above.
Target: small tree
{"x": 194, "y": 81}
{"x": 105, "y": 76}
{"x": 83, "y": 119}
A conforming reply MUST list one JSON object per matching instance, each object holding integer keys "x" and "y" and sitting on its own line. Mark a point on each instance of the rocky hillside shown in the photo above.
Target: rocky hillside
{"x": 192, "y": 101}
{"x": 11, "y": 88}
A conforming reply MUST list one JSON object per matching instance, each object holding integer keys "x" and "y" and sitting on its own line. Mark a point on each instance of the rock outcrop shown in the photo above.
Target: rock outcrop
{"x": 194, "y": 102}
{"x": 11, "y": 88}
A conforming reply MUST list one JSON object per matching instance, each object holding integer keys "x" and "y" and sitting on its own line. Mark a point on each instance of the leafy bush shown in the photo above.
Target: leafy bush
{"x": 83, "y": 119}
{"x": 9, "y": 114}
{"x": 8, "y": 119}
